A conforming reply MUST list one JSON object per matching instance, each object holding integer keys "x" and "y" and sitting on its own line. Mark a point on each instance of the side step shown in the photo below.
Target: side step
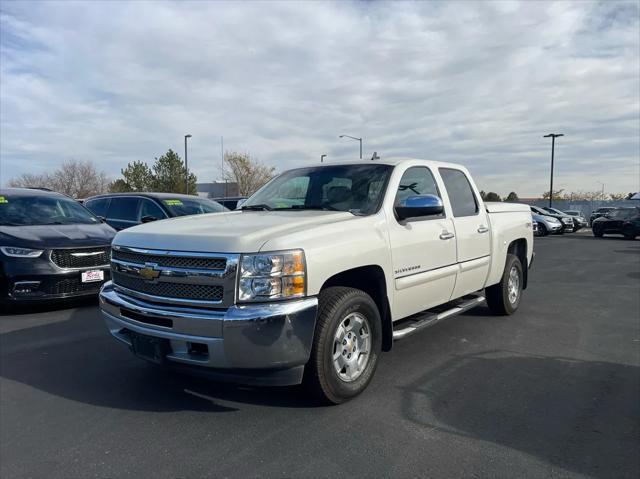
{"x": 412, "y": 324}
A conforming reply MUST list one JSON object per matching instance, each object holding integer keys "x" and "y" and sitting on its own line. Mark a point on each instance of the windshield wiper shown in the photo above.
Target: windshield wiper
{"x": 260, "y": 207}
{"x": 312, "y": 207}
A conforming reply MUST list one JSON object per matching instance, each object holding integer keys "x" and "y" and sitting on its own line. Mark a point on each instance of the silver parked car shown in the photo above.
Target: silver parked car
{"x": 546, "y": 224}
{"x": 578, "y": 218}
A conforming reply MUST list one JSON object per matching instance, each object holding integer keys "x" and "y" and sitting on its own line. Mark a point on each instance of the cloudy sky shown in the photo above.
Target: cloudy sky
{"x": 469, "y": 82}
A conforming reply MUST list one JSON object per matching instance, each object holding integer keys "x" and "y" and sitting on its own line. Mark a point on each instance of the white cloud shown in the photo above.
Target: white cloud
{"x": 475, "y": 83}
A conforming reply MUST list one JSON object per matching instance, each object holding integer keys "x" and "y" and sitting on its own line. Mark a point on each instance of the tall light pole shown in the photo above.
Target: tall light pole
{"x": 602, "y": 194}
{"x": 322, "y": 157}
{"x": 186, "y": 165}
{"x": 553, "y": 137}
{"x": 354, "y": 138}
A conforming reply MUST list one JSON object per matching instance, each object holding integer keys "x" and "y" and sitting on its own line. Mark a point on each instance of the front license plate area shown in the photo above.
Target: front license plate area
{"x": 92, "y": 275}
{"x": 149, "y": 348}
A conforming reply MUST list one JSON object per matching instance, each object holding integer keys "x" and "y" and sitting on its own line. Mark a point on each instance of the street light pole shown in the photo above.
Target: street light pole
{"x": 322, "y": 157}
{"x": 602, "y": 194}
{"x": 354, "y": 138}
{"x": 553, "y": 137}
{"x": 186, "y": 165}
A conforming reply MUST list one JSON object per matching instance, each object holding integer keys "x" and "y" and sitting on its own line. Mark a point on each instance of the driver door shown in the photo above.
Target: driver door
{"x": 423, "y": 250}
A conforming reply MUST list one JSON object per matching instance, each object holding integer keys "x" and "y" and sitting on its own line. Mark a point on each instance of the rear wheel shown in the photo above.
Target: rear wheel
{"x": 346, "y": 345}
{"x": 504, "y": 298}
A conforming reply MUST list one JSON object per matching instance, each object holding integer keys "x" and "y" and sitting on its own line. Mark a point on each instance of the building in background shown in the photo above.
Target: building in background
{"x": 217, "y": 189}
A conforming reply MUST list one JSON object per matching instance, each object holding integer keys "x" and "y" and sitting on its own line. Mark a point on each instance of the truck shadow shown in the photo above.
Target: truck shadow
{"x": 77, "y": 359}
{"x": 579, "y": 415}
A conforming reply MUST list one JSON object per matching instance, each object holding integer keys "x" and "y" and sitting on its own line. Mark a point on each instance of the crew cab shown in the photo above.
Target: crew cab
{"x": 320, "y": 271}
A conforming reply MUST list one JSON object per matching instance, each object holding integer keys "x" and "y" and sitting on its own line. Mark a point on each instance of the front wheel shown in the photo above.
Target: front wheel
{"x": 542, "y": 230}
{"x": 629, "y": 232}
{"x": 504, "y": 298}
{"x": 597, "y": 231}
{"x": 346, "y": 345}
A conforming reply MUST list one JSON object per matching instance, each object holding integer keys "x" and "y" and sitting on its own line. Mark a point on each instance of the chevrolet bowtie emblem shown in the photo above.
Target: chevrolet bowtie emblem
{"x": 149, "y": 273}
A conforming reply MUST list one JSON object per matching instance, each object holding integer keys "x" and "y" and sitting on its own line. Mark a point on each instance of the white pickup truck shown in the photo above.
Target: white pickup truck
{"x": 321, "y": 270}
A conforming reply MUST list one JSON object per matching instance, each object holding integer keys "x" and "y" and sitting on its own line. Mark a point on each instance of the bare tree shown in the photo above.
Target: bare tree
{"x": 247, "y": 172}
{"x": 75, "y": 178}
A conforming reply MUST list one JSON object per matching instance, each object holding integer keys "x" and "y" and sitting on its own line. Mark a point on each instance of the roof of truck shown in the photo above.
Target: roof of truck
{"x": 388, "y": 161}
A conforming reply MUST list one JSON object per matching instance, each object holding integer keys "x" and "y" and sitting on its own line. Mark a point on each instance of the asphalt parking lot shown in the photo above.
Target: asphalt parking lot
{"x": 553, "y": 391}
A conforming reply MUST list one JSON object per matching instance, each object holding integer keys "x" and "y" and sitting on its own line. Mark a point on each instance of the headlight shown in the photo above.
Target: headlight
{"x": 553, "y": 220}
{"x": 268, "y": 276}
{"x": 20, "y": 252}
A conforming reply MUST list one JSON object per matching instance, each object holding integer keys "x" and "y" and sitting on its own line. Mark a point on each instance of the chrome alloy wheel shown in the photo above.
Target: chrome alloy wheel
{"x": 351, "y": 347}
{"x": 513, "y": 287}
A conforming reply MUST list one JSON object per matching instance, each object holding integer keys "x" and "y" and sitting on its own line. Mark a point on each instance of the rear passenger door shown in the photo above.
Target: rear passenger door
{"x": 123, "y": 212}
{"x": 471, "y": 227}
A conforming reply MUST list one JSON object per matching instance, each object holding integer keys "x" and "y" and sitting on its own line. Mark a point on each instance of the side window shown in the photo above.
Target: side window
{"x": 98, "y": 206}
{"x": 123, "y": 209}
{"x": 150, "y": 208}
{"x": 417, "y": 180}
{"x": 463, "y": 201}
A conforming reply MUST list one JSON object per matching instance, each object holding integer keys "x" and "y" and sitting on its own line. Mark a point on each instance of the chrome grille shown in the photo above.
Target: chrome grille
{"x": 175, "y": 277}
{"x": 203, "y": 292}
{"x": 172, "y": 261}
{"x": 81, "y": 257}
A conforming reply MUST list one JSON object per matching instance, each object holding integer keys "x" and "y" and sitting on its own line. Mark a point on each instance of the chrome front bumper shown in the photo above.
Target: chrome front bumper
{"x": 263, "y": 343}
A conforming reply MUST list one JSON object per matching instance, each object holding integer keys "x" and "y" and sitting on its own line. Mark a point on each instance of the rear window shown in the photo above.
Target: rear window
{"x": 124, "y": 209}
{"x": 98, "y": 206}
{"x": 463, "y": 200}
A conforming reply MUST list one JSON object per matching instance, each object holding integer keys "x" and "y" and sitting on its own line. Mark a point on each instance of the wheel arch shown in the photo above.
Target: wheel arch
{"x": 519, "y": 248}
{"x": 370, "y": 279}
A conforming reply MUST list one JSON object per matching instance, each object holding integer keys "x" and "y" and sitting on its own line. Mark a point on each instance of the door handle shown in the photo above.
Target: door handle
{"x": 445, "y": 235}
{"x": 482, "y": 229}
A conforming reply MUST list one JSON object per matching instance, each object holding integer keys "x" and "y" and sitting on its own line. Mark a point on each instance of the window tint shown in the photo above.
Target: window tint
{"x": 123, "y": 209}
{"x": 150, "y": 208}
{"x": 98, "y": 206}
{"x": 19, "y": 210}
{"x": 337, "y": 187}
{"x": 463, "y": 201}
{"x": 417, "y": 180}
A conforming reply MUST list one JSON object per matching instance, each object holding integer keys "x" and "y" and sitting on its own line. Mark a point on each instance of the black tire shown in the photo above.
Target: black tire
{"x": 628, "y": 232}
{"x": 542, "y": 230}
{"x": 597, "y": 231}
{"x": 321, "y": 377}
{"x": 498, "y": 294}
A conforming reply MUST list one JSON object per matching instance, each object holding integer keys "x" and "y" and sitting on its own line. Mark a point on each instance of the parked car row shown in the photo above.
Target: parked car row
{"x": 605, "y": 220}
{"x": 55, "y": 247}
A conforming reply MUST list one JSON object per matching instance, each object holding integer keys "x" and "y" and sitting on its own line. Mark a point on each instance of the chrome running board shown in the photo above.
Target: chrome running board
{"x": 412, "y": 324}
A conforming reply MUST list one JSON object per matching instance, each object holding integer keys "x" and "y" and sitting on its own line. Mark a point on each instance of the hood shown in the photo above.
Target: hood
{"x": 57, "y": 236}
{"x": 232, "y": 232}
{"x": 540, "y": 218}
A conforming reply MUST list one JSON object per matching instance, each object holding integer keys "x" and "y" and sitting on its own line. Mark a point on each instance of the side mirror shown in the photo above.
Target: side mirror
{"x": 148, "y": 219}
{"x": 420, "y": 205}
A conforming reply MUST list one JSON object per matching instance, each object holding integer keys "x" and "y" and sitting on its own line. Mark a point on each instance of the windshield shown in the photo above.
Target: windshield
{"x": 355, "y": 188}
{"x": 554, "y": 211}
{"x": 623, "y": 213}
{"x": 192, "y": 206}
{"x": 20, "y": 210}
